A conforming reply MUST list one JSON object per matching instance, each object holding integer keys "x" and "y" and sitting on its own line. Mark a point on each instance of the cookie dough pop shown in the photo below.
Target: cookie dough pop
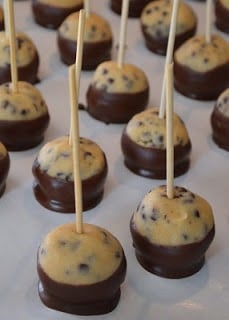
{"x": 53, "y": 170}
{"x": 24, "y": 114}
{"x": 201, "y": 63}
{"x": 98, "y": 39}
{"x": 80, "y": 266}
{"x": 172, "y": 227}
{"x": 118, "y": 90}
{"x": 144, "y": 138}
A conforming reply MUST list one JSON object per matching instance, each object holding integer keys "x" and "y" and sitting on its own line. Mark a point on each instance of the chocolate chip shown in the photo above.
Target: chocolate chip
{"x": 196, "y": 213}
{"x": 117, "y": 255}
{"x": 225, "y": 100}
{"x": 155, "y": 214}
{"x": 164, "y": 13}
{"x": 105, "y": 71}
{"x": 5, "y": 104}
{"x": 105, "y": 237}
{"x": 148, "y": 11}
{"x": 159, "y": 22}
{"x": 143, "y": 216}
{"x": 24, "y": 112}
{"x": 110, "y": 80}
{"x": 19, "y": 42}
{"x": 185, "y": 236}
{"x": 87, "y": 155}
{"x": 93, "y": 28}
{"x": 83, "y": 268}
{"x": 206, "y": 60}
{"x": 62, "y": 243}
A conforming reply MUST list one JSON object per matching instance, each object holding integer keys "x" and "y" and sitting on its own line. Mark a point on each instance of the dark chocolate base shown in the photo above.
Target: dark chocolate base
{"x": 222, "y": 17}
{"x": 4, "y": 170}
{"x": 170, "y": 261}
{"x": 93, "y": 53}
{"x": 94, "y": 299}
{"x": 151, "y": 162}
{"x": 115, "y": 107}
{"x": 27, "y": 73}
{"x": 58, "y": 194}
{"x": 49, "y": 16}
{"x": 159, "y": 45}
{"x": 220, "y": 129}
{"x": 135, "y": 7}
{"x": 201, "y": 86}
{"x": 23, "y": 134}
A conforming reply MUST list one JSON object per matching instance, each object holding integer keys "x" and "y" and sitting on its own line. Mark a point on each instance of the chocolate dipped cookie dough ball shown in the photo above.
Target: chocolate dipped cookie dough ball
{"x": 201, "y": 68}
{"x": 222, "y": 15}
{"x": 51, "y": 13}
{"x": 4, "y": 167}
{"x": 54, "y": 180}
{"x": 81, "y": 273}
{"x": 220, "y": 121}
{"x": 135, "y": 7}
{"x": 27, "y": 58}
{"x": 171, "y": 236}
{"x": 155, "y": 24}
{"x": 143, "y": 145}
{"x": 116, "y": 94}
{"x": 97, "y": 45}
{"x": 24, "y": 116}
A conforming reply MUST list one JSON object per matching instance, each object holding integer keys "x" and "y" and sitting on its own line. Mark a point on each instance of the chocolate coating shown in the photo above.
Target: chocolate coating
{"x": 222, "y": 17}
{"x": 159, "y": 45}
{"x": 98, "y": 298}
{"x": 49, "y": 16}
{"x": 4, "y": 170}
{"x": 24, "y": 134}
{"x": 115, "y": 107}
{"x": 2, "y": 26}
{"x": 58, "y": 194}
{"x": 93, "y": 53}
{"x": 170, "y": 261}
{"x": 26, "y": 73}
{"x": 220, "y": 129}
{"x": 151, "y": 162}
{"x": 200, "y": 85}
{"x": 135, "y": 7}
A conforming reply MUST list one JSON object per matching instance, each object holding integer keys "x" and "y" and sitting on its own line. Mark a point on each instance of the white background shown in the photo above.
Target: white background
{"x": 24, "y": 222}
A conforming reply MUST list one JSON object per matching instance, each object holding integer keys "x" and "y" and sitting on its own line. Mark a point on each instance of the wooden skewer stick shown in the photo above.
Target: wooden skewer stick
{"x": 169, "y": 53}
{"x": 208, "y": 21}
{"x": 87, "y": 7}
{"x": 76, "y": 151}
{"x": 74, "y": 81}
{"x": 12, "y": 40}
{"x": 78, "y": 60}
{"x": 169, "y": 131}
{"x": 122, "y": 37}
{"x": 5, "y": 11}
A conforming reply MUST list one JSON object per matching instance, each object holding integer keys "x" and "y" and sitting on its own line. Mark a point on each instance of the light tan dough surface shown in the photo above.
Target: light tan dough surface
{"x": 55, "y": 158}
{"x": 128, "y": 79}
{"x": 97, "y": 28}
{"x": 148, "y": 130}
{"x": 25, "y": 53}
{"x": 222, "y": 103}
{"x": 26, "y": 104}
{"x": 201, "y": 56}
{"x": 3, "y": 151}
{"x": 77, "y": 259}
{"x": 61, "y": 3}
{"x": 156, "y": 18}
{"x": 186, "y": 218}
{"x": 225, "y": 3}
